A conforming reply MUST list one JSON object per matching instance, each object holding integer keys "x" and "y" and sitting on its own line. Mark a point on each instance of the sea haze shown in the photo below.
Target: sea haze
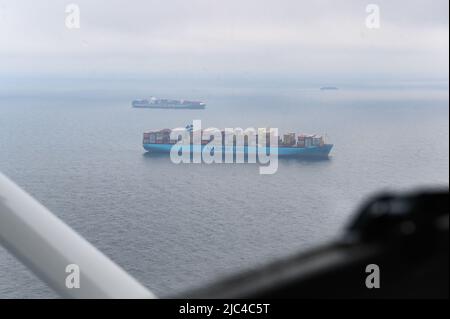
{"x": 179, "y": 226}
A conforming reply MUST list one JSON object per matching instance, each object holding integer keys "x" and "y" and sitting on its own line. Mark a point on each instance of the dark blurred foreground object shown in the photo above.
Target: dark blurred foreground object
{"x": 406, "y": 236}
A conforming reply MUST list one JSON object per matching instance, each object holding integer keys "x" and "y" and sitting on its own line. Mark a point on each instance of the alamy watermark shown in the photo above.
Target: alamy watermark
{"x": 228, "y": 146}
{"x": 73, "y": 277}
{"x": 373, "y": 19}
{"x": 72, "y": 20}
{"x": 373, "y": 279}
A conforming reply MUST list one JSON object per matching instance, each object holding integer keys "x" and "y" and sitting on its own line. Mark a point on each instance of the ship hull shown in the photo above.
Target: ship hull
{"x": 298, "y": 152}
{"x": 171, "y": 107}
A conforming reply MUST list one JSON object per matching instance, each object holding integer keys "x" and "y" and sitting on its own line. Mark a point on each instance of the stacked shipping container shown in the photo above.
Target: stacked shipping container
{"x": 303, "y": 141}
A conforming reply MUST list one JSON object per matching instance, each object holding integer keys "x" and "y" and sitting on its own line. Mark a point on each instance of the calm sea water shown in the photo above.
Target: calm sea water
{"x": 179, "y": 226}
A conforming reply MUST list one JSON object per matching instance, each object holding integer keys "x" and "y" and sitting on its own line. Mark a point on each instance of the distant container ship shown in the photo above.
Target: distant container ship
{"x": 156, "y": 103}
{"x": 290, "y": 145}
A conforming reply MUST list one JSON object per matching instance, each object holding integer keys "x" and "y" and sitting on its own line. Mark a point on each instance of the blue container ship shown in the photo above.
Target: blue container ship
{"x": 290, "y": 145}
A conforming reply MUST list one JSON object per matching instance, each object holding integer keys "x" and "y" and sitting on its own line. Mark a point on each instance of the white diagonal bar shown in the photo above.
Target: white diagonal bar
{"x": 46, "y": 245}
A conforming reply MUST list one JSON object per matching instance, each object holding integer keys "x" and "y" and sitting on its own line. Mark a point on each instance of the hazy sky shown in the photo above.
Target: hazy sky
{"x": 208, "y": 38}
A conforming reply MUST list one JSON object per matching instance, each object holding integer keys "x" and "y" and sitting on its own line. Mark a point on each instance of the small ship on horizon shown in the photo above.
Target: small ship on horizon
{"x": 329, "y": 88}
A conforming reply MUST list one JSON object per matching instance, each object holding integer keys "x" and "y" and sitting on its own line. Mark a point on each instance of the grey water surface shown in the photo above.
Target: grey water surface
{"x": 175, "y": 227}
